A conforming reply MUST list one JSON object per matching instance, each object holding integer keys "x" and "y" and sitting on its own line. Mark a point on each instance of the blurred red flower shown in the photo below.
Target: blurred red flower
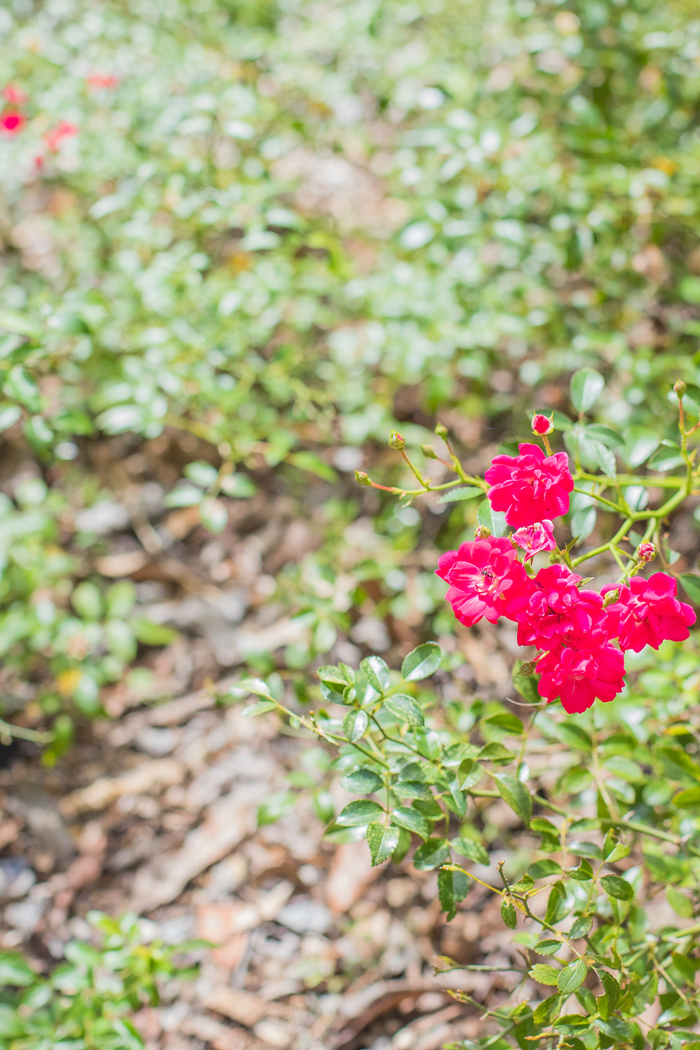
{"x": 55, "y": 136}
{"x": 14, "y": 95}
{"x": 101, "y": 81}
{"x": 12, "y": 122}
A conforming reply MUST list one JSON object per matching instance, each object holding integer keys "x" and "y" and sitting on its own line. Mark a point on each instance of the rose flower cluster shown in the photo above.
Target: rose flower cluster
{"x": 574, "y": 628}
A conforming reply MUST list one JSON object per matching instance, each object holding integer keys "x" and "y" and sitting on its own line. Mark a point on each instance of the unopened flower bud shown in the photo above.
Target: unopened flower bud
{"x": 541, "y": 425}
{"x": 361, "y": 478}
{"x": 679, "y": 387}
{"x": 428, "y": 451}
{"x": 481, "y": 532}
{"x": 397, "y": 440}
{"x": 526, "y": 670}
{"x": 646, "y": 552}
{"x": 441, "y": 430}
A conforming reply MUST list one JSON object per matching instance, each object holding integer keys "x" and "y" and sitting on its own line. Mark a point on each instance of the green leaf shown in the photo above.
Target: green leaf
{"x": 621, "y": 1032}
{"x": 9, "y": 414}
{"x": 604, "y": 435}
{"x": 431, "y": 855}
{"x": 453, "y": 887}
{"x": 547, "y": 1010}
{"x": 641, "y": 446}
{"x": 526, "y": 685}
{"x": 581, "y": 927}
{"x": 412, "y": 789}
{"x": 86, "y": 599}
{"x": 410, "y": 819}
{"x": 259, "y": 708}
{"x": 421, "y": 662}
{"x": 313, "y": 464}
{"x": 586, "y": 387}
{"x": 342, "y": 675}
{"x": 541, "y": 869}
{"x": 213, "y": 514}
{"x": 12, "y": 1026}
{"x": 547, "y": 947}
{"x": 490, "y": 519}
{"x": 691, "y": 586}
{"x": 376, "y": 672}
{"x": 355, "y": 725}
{"x": 688, "y": 798}
{"x": 406, "y": 709}
{"x": 496, "y": 752}
{"x": 362, "y": 811}
{"x": 15, "y": 970}
{"x": 238, "y": 486}
{"x": 12, "y": 321}
{"x": 201, "y": 473}
{"x": 607, "y": 1003}
{"x": 605, "y": 458}
{"x": 149, "y": 633}
{"x": 183, "y": 496}
{"x": 404, "y": 845}
{"x": 509, "y": 723}
{"x": 681, "y": 904}
{"x": 463, "y": 492}
{"x": 276, "y": 805}
{"x": 471, "y": 849}
{"x": 508, "y": 914}
{"x": 616, "y": 887}
{"x": 469, "y": 773}
{"x": 544, "y": 974}
{"x": 254, "y": 685}
{"x": 572, "y": 977}
{"x": 516, "y": 795}
{"x": 361, "y": 782}
{"x": 382, "y": 842}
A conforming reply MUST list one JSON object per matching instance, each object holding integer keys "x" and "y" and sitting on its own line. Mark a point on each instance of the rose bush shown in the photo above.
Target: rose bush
{"x": 607, "y": 791}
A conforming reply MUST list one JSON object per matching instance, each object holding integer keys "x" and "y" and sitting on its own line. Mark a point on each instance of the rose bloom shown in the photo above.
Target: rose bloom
{"x": 578, "y": 676}
{"x": 647, "y": 612}
{"x": 536, "y": 538}
{"x": 12, "y": 122}
{"x": 100, "y": 81}
{"x": 483, "y": 576}
{"x": 541, "y": 425}
{"x": 530, "y": 487}
{"x": 14, "y": 95}
{"x": 55, "y": 136}
{"x": 554, "y": 610}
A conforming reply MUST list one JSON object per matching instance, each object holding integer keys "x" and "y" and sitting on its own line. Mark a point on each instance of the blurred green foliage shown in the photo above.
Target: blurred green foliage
{"x": 86, "y": 1002}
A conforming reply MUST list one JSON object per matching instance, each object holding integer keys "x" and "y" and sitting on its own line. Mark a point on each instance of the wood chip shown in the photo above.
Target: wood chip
{"x": 123, "y": 563}
{"x": 230, "y": 821}
{"x": 145, "y": 779}
{"x": 350, "y": 875}
{"x": 220, "y": 1037}
{"x": 243, "y": 1007}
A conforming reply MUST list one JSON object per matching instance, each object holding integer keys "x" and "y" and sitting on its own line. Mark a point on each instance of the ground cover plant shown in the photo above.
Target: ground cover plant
{"x": 630, "y": 777}
{"x": 241, "y": 242}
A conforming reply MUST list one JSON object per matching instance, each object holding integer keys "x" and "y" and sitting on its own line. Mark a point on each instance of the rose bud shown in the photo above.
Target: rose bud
{"x": 396, "y": 440}
{"x": 541, "y": 425}
{"x": 646, "y": 552}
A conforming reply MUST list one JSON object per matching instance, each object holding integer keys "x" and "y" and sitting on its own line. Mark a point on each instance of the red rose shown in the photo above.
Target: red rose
{"x": 483, "y": 576}
{"x": 530, "y": 487}
{"x": 554, "y": 610}
{"x": 12, "y": 122}
{"x": 535, "y": 538}
{"x": 647, "y": 612}
{"x": 578, "y": 676}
